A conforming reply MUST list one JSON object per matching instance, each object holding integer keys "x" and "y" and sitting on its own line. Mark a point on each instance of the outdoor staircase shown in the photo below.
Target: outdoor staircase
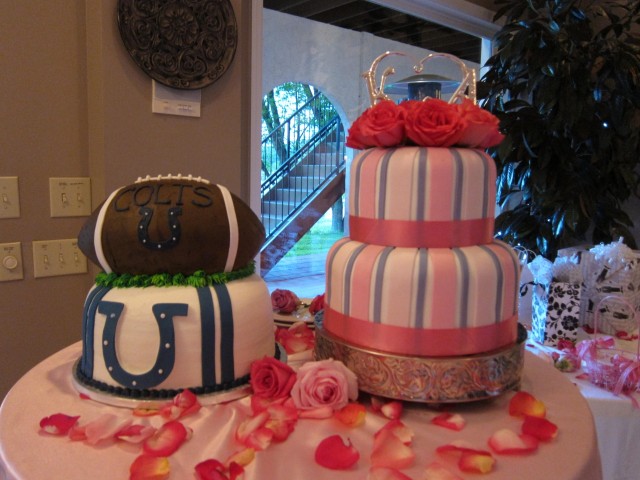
{"x": 303, "y": 187}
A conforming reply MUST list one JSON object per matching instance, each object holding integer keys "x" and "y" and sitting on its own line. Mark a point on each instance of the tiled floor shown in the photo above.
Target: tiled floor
{"x": 303, "y": 275}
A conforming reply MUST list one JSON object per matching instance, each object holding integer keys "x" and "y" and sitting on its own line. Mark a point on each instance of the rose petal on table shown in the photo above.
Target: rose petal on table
{"x": 335, "y": 454}
{"x": 457, "y": 448}
{"x": 352, "y": 415}
{"x": 452, "y": 421}
{"x": 390, "y": 409}
{"x": 148, "y": 467}
{"x": 58, "y": 423}
{"x": 210, "y": 469}
{"x": 135, "y": 433}
{"x": 541, "y": 428}
{"x": 523, "y": 403}
{"x": 508, "y": 442}
{"x": 235, "y": 470}
{"x": 390, "y": 451}
{"x": 282, "y": 421}
{"x": 384, "y": 473}
{"x": 166, "y": 440}
{"x": 475, "y": 462}
{"x": 399, "y": 429}
{"x": 145, "y": 412}
{"x": 104, "y": 427}
{"x": 435, "y": 471}
{"x": 242, "y": 457}
{"x": 318, "y": 413}
{"x": 183, "y": 404}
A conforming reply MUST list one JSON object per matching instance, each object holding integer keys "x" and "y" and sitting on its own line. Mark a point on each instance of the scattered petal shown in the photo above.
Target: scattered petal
{"x": 399, "y": 429}
{"x": 235, "y": 470}
{"x": 135, "y": 433}
{"x": 384, "y": 473}
{"x": 508, "y": 442}
{"x": 210, "y": 469}
{"x": 352, "y": 415}
{"x": 297, "y": 338}
{"x": 458, "y": 447}
{"x": 252, "y": 432}
{"x": 474, "y": 462}
{"x": 392, "y": 410}
{"x": 58, "y": 423}
{"x": 318, "y": 413}
{"x": 523, "y": 403}
{"x": 282, "y": 420}
{"x": 147, "y": 467}
{"x": 541, "y": 428}
{"x": 104, "y": 428}
{"x": 390, "y": 451}
{"x": 242, "y": 457}
{"x": 452, "y": 421}
{"x": 334, "y": 453}
{"x": 166, "y": 440}
{"x": 183, "y": 404}
{"x": 145, "y": 412}
{"x": 436, "y": 471}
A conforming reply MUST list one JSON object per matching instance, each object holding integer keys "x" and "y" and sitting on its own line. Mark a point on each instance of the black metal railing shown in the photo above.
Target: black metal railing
{"x": 306, "y": 170}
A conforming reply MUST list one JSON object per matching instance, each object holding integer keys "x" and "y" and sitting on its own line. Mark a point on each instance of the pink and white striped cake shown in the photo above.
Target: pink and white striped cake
{"x": 421, "y": 273}
{"x": 422, "y": 197}
{"x": 419, "y": 301}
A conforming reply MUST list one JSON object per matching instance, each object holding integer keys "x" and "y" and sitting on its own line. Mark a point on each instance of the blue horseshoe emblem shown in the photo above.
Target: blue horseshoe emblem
{"x": 164, "y": 314}
{"x": 174, "y": 226}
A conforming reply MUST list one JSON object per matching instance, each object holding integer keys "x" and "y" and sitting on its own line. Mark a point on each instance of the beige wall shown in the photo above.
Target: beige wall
{"x": 75, "y": 104}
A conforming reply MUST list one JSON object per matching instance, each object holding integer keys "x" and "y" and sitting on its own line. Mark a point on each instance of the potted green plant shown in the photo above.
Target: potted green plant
{"x": 564, "y": 83}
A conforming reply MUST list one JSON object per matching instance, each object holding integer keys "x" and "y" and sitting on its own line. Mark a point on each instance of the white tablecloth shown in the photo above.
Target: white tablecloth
{"x": 26, "y": 454}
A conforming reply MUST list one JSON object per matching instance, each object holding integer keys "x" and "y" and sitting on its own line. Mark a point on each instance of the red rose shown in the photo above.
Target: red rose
{"x": 482, "y": 126}
{"x": 378, "y": 126}
{"x": 317, "y": 304}
{"x": 271, "y": 379}
{"x": 284, "y": 301}
{"x": 434, "y": 123}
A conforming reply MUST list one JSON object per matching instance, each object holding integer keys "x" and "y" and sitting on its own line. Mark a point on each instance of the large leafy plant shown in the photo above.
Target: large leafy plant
{"x": 564, "y": 83}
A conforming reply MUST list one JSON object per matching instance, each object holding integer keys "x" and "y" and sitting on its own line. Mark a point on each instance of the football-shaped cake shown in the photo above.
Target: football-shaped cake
{"x": 172, "y": 225}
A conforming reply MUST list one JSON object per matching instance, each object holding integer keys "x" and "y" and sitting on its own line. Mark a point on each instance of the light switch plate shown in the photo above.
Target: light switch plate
{"x": 9, "y": 197}
{"x": 11, "y": 262}
{"x": 57, "y": 257}
{"x": 70, "y": 196}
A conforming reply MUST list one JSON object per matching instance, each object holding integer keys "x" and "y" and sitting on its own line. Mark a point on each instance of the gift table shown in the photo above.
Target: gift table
{"x": 27, "y": 454}
{"x": 616, "y": 418}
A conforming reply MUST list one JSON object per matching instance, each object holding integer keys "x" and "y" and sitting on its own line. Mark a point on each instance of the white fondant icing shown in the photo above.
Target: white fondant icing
{"x": 97, "y": 236}
{"x": 233, "y": 228}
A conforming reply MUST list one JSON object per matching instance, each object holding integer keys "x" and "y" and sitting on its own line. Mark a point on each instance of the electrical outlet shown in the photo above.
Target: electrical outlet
{"x": 11, "y": 262}
{"x": 70, "y": 197}
{"x": 57, "y": 257}
{"x": 9, "y": 198}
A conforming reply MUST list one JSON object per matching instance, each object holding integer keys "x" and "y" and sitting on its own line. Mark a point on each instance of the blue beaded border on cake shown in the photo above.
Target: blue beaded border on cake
{"x": 198, "y": 279}
{"x": 166, "y": 393}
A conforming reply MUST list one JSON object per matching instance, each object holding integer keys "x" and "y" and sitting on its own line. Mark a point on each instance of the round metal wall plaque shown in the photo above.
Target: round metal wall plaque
{"x": 186, "y": 44}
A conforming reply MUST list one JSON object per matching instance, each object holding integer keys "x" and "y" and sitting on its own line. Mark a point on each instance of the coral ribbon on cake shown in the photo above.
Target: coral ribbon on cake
{"x": 422, "y": 342}
{"x": 416, "y": 234}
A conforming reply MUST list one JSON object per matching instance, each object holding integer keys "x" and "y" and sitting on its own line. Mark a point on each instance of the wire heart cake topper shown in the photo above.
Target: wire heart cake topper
{"x": 376, "y": 93}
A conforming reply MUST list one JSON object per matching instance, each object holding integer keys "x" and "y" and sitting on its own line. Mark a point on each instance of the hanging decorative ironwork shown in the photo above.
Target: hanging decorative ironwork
{"x": 186, "y": 44}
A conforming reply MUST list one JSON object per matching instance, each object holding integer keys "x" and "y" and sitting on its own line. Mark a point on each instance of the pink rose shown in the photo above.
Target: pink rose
{"x": 271, "y": 379}
{"x": 482, "y": 126}
{"x": 325, "y": 383}
{"x": 434, "y": 123}
{"x": 378, "y": 126}
{"x": 317, "y": 304}
{"x": 284, "y": 301}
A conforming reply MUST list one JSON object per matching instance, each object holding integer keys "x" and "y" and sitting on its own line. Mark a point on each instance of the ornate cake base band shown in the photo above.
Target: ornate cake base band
{"x": 428, "y": 379}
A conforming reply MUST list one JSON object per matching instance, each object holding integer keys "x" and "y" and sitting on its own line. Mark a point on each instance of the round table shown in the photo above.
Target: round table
{"x": 27, "y": 454}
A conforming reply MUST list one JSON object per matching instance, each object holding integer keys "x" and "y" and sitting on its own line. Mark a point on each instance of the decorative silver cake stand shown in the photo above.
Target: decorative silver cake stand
{"x": 434, "y": 380}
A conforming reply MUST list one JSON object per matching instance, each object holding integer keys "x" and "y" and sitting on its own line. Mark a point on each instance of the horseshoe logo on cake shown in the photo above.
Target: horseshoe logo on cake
{"x": 174, "y": 228}
{"x": 164, "y": 314}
